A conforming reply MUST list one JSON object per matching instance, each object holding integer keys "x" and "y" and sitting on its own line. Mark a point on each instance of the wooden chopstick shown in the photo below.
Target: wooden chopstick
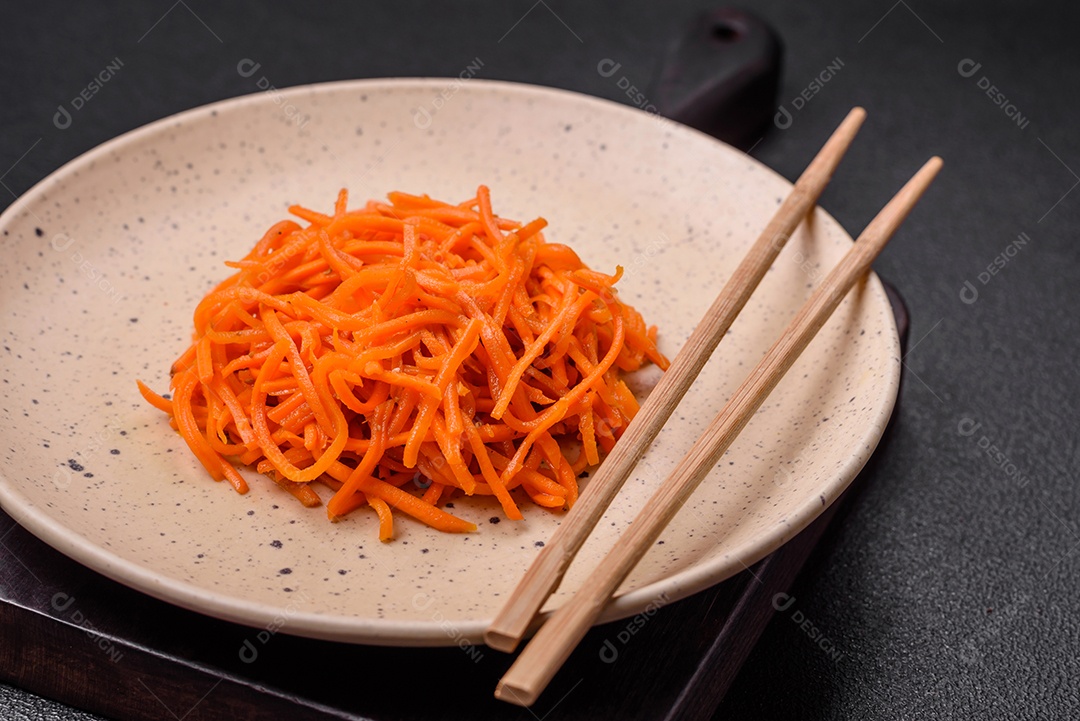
{"x": 547, "y": 651}
{"x": 547, "y": 570}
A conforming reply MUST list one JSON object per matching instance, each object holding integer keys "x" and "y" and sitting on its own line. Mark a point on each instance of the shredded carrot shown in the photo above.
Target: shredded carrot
{"x": 404, "y": 353}
{"x": 386, "y": 518}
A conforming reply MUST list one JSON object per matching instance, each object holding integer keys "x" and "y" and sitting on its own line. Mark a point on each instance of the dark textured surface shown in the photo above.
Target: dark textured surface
{"x": 951, "y": 588}
{"x": 18, "y": 705}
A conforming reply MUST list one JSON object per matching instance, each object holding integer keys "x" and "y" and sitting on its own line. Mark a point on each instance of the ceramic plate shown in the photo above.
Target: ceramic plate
{"x": 105, "y": 259}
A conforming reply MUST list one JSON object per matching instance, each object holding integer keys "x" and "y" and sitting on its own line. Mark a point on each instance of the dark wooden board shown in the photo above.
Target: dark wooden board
{"x": 71, "y": 634}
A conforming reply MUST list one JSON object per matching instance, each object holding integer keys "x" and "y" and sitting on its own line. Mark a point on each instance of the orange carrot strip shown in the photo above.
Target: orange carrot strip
{"x": 162, "y": 404}
{"x": 588, "y": 432}
{"x": 183, "y": 390}
{"x": 271, "y": 449}
{"x": 555, "y": 413}
{"x": 464, "y": 347}
{"x": 378, "y": 424}
{"x": 433, "y": 493}
{"x": 299, "y": 369}
{"x": 491, "y": 475}
{"x": 386, "y": 518}
{"x": 416, "y": 507}
{"x": 568, "y": 313}
{"x": 233, "y": 477}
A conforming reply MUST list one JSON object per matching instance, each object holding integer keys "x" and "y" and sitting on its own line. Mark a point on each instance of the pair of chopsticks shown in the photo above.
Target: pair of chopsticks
{"x": 556, "y": 639}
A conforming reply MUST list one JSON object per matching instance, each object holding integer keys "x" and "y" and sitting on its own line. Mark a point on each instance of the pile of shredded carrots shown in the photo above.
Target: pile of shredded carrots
{"x": 405, "y": 352}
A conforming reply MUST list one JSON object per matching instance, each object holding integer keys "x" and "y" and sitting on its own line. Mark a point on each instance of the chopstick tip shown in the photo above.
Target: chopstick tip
{"x": 500, "y": 641}
{"x": 517, "y": 696}
{"x": 852, "y": 122}
{"x": 931, "y": 167}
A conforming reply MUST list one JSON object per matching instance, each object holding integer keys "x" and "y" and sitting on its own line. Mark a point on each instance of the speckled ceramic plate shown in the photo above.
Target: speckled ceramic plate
{"x": 105, "y": 259}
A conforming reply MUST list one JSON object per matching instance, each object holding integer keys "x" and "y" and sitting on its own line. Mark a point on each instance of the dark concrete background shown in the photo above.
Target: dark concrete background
{"x": 950, "y": 589}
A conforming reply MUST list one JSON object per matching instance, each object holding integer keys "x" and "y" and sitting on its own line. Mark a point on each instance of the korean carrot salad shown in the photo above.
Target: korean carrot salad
{"x": 404, "y": 353}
